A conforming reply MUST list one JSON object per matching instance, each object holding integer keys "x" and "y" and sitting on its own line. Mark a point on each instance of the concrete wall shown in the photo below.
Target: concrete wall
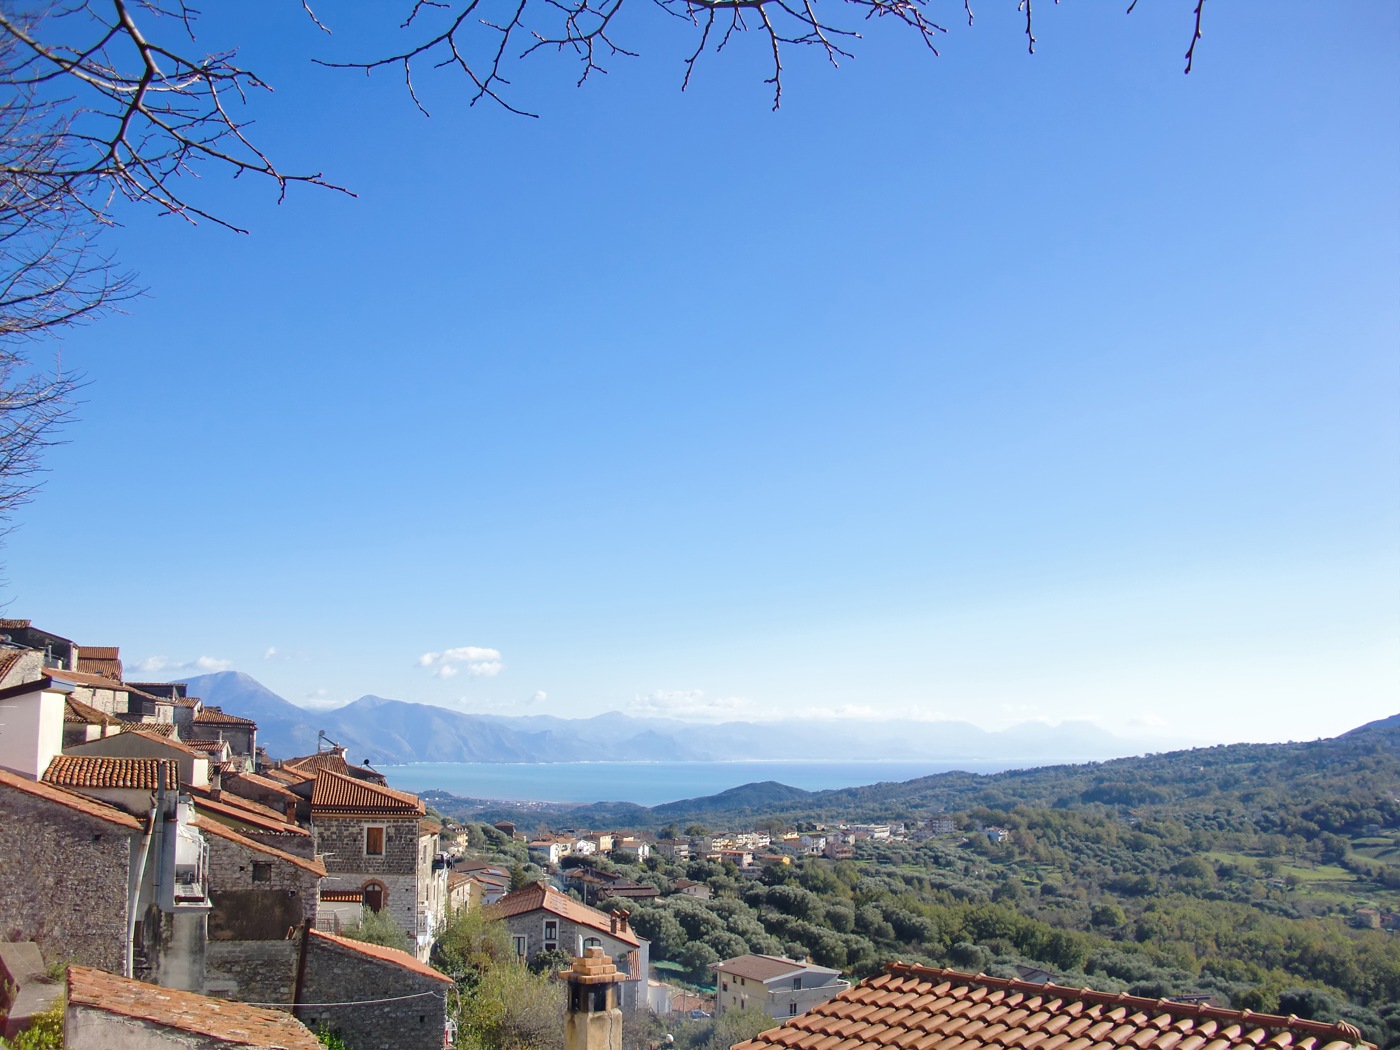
{"x": 88, "y": 1029}
{"x": 65, "y": 884}
{"x": 335, "y": 974}
{"x": 32, "y": 732}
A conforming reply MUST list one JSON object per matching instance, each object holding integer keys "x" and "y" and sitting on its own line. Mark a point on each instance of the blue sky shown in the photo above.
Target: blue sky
{"x": 986, "y": 386}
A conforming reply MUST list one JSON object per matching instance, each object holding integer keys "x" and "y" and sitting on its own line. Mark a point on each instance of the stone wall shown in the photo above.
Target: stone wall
{"x": 413, "y": 1018}
{"x": 248, "y": 910}
{"x": 65, "y": 884}
{"x": 251, "y": 971}
{"x": 342, "y": 843}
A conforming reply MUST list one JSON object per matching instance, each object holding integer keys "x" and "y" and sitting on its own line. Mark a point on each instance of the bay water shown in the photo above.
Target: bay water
{"x": 649, "y": 783}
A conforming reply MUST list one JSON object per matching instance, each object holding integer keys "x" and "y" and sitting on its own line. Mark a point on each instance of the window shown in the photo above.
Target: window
{"x": 797, "y": 982}
{"x": 374, "y": 842}
{"x": 262, "y": 871}
{"x": 724, "y": 986}
{"x": 551, "y": 929}
{"x": 519, "y": 940}
{"x": 792, "y": 1009}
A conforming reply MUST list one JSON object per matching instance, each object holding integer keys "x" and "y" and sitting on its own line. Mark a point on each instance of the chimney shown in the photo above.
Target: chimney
{"x": 619, "y": 921}
{"x": 593, "y": 1020}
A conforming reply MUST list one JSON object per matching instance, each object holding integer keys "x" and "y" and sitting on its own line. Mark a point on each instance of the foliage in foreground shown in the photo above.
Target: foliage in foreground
{"x": 45, "y": 1033}
{"x": 376, "y": 927}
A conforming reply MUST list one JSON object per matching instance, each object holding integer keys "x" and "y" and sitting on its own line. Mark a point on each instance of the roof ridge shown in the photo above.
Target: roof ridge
{"x": 1194, "y": 1010}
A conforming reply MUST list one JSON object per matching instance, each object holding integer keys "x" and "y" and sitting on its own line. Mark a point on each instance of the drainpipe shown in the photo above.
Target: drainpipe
{"x": 134, "y": 887}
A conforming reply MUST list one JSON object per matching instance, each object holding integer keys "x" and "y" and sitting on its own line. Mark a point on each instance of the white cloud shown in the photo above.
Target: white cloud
{"x": 540, "y": 697}
{"x": 165, "y": 665}
{"x": 477, "y": 660}
{"x": 687, "y": 703}
{"x": 270, "y": 653}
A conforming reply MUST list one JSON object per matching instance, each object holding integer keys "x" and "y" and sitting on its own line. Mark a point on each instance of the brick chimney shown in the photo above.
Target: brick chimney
{"x": 618, "y": 921}
{"x": 593, "y": 1020}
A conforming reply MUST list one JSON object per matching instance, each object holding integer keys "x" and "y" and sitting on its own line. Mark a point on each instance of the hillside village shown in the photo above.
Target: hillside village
{"x": 192, "y": 886}
{"x": 153, "y": 840}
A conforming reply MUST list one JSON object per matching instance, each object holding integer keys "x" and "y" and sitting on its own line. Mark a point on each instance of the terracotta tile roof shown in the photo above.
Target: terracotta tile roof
{"x": 161, "y": 729}
{"x": 313, "y": 764}
{"x": 102, "y": 660}
{"x": 389, "y": 955}
{"x": 79, "y": 803}
{"x": 918, "y": 1008}
{"x": 262, "y": 783}
{"x": 84, "y": 714}
{"x": 205, "y": 746}
{"x": 760, "y": 967}
{"x": 429, "y": 827}
{"x": 231, "y": 807}
{"x": 288, "y": 776}
{"x": 215, "y": 716}
{"x": 542, "y": 896}
{"x": 218, "y": 830}
{"x": 228, "y": 1022}
{"x": 13, "y": 625}
{"x": 343, "y": 896}
{"x": 8, "y": 659}
{"x": 93, "y": 771}
{"x": 335, "y": 794}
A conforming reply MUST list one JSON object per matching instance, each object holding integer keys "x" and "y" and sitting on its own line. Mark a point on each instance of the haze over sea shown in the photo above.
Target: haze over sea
{"x": 651, "y": 783}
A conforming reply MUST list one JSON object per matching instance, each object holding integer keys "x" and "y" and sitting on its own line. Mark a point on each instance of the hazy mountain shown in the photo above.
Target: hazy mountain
{"x": 391, "y": 732}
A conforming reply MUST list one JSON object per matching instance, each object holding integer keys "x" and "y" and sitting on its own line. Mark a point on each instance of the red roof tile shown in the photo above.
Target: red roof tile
{"x": 161, "y": 729}
{"x": 389, "y": 955}
{"x": 313, "y": 764}
{"x": 919, "y": 1008}
{"x": 13, "y": 625}
{"x": 94, "y": 771}
{"x": 542, "y": 896}
{"x": 261, "y": 783}
{"x": 343, "y": 896}
{"x": 213, "y": 827}
{"x": 760, "y": 967}
{"x": 215, "y": 716}
{"x": 72, "y": 800}
{"x": 102, "y": 660}
{"x": 84, "y": 714}
{"x": 335, "y": 794}
{"x": 220, "y": 1019}
{"x": 205, "y": 746}
{"x": 231, "y": 807}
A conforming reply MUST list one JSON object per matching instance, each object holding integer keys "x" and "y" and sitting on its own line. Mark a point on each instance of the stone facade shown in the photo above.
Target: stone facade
{"x": 251, "y": 971}
{"x": 256, "y": 895}
{"x": 408, "y": 1001}
{"x": 65, "y": 885}
{"x": 396, "y": 871}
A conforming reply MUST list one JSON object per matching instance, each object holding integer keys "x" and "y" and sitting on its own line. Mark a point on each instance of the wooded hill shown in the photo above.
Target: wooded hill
{"x": 1253, "y": 873}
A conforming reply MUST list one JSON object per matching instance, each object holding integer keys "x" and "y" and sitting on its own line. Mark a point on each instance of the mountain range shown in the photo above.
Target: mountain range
{"x": 396, "y": 732}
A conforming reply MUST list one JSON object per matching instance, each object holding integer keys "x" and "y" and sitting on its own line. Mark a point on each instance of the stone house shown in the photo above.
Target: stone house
{"x": 69, "y": 888}
{"x": 257, "y": 892}
{"x": 212, "y": 723}
{"x": 169, "y": 914}
{"x": 105, "y": 1011}
{"x": 376, "y": 840}
{"x": 779, "y": 987}
{"x": 339, "y": 970}
{"x": 540, "y": 918}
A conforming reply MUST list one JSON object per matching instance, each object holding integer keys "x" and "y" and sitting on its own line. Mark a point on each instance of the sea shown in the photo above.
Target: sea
{"x": 651, "y": 783}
